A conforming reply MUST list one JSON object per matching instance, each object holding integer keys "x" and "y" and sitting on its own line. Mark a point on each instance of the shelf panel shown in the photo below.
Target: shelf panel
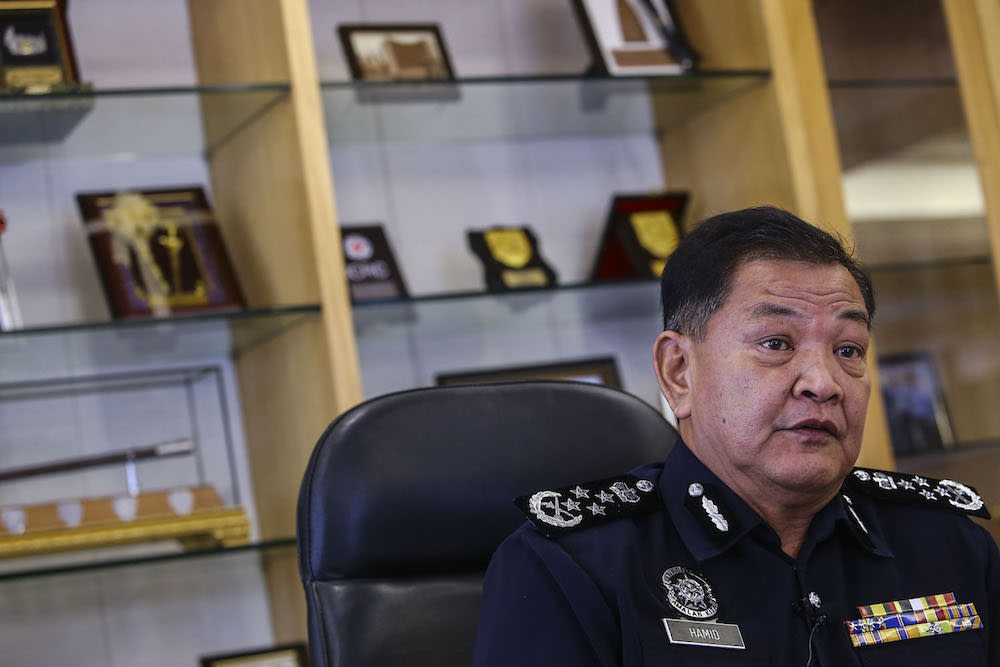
{"x": 521, "y": 107}
{"x": 133, "y": 556}
{"x": 65, "y": 349}
{"x": 129, "y": 123}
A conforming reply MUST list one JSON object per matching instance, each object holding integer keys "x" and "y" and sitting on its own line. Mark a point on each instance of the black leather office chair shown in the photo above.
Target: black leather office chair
{"x": 407, "y": 496}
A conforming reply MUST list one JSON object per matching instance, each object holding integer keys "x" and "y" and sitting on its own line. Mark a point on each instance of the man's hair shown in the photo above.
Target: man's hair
{"x": 698, "y": 276}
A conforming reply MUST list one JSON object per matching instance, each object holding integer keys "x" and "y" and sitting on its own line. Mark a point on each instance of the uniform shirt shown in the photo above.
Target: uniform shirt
{"x": 592, "y": 595}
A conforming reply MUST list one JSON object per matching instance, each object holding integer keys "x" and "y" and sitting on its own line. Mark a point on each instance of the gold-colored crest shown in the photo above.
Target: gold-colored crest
{"x": 657, "y": 232}
{"x": 509, "y": 246}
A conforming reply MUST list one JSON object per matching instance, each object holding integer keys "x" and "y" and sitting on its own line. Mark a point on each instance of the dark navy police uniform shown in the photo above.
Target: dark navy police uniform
{"x": 658, "y": 567}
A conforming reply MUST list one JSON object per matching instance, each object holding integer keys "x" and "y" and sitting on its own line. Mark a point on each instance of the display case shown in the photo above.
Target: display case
{"x": 914, "y": 193}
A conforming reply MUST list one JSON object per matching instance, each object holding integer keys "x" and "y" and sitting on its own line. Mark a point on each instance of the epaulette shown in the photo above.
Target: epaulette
{"x": 914, "y": 489}
{"x": 559, "y": 511}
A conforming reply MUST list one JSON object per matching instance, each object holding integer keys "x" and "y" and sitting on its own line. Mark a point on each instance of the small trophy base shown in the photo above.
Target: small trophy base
{"x": 196, "y": 517}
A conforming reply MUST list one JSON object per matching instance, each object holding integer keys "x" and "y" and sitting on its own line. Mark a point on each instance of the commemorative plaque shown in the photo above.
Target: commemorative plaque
{"x": 640, "y": 234}
{"x": 371, "y": 268}
{"x": 510, "y": 258}
{"x": 36, "y": 52}
{"x": 159, "y": 252}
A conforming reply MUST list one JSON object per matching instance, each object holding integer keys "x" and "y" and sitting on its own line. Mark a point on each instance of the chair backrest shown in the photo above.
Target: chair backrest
{"x": 407, "y": 495}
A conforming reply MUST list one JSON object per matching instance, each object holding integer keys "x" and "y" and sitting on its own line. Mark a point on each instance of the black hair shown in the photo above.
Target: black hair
{"x": 698, "y": 275}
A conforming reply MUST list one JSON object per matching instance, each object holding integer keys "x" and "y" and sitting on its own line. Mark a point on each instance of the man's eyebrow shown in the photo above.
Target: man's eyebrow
{"x": 766, "y": 309}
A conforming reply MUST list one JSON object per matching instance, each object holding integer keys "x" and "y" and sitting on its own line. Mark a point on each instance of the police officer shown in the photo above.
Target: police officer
{"x": 756, "y": 542}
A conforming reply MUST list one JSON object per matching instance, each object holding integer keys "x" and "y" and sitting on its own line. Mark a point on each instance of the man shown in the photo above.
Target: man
{"x": 755, "y": 543}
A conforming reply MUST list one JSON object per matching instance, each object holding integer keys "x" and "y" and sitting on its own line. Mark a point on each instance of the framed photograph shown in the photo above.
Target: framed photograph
{"x": 596, "y": 370}
{"x": 635, "y": 37}
{"x": 914, "y": 404}
{"x": 396, "y": 52}
{"x": 36, "y": 52}
{"x": 159, "y": 252}
{"x": 284, "y": 655}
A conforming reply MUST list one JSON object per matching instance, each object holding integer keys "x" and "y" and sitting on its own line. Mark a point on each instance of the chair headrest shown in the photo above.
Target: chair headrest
{"x": 421, "y": 481}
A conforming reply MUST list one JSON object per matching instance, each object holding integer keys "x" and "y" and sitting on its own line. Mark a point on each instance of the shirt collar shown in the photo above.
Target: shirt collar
{"x": 711, "y": 518}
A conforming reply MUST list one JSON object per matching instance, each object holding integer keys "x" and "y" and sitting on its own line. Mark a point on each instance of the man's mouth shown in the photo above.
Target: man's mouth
{"x": 819, "y": 426}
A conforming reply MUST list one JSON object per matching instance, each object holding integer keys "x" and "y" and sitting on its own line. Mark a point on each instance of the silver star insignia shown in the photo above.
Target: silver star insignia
{"x": 580, "y": 492}
{"x": 906, "y": 484}
{"x": 595, "y": 509}
{"x": 920, "y": 480}
{"x": 571, "y": 505}
{"x": 928, "y": 495}
{"x": 854, "y": 625}
{"x": 605, "y": 497}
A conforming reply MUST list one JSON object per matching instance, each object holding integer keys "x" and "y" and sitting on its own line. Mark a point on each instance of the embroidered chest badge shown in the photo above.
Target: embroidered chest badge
{"x": 689, "y": 594}
{"x": 911, "y": 619}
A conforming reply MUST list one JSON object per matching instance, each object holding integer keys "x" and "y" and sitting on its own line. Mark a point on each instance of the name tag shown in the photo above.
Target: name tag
{"x": 703, "y": 633}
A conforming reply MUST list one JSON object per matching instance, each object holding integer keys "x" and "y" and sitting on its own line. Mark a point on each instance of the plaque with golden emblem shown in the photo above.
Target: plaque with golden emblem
{"x": 511, "y": 259}
{"x": 159, "y": 252}
{"x": 641, "y": 232}
{"x": 36, "y": 51}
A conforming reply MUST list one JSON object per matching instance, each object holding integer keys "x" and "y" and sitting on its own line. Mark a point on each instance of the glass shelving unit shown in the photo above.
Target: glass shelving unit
{"x": 522, "y": 107}
{"x": 94, "y": 560}
{"x": 128, "y": 122}
{"x": 179, "y": 339}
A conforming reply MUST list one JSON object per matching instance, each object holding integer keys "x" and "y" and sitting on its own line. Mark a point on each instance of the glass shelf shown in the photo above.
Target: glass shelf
{"x": 128, "y": 122}
{"x": 28, "y": 353}
{"x": 454, "y": 312}
{"x": 128, "y": 556}
{"x": 521, "y": 107}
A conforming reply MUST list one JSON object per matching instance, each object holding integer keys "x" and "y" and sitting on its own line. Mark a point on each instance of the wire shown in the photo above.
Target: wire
{"x": 812, "y": 633}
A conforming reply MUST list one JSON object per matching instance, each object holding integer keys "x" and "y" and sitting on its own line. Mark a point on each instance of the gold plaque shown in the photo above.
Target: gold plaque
{"x": 509, "y": 246}
{"x": 36, "y": 52}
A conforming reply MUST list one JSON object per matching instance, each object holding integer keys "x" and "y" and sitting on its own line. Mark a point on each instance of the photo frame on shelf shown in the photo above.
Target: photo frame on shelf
{"x": 593, "y": 370}
{"x": 36, "y": 49}
{"x": 635, "y": 37}
{"x": 159, "y": 252}
{"x": 281, "y": 655}
{"x": 641, "y": 231}
{"x": 914, "y": 404}
{"x": 396, "y": 52}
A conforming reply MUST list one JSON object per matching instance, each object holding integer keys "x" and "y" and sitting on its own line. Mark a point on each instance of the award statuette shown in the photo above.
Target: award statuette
{"x": 159, "y": 252}
{"x": 371, "y": 268}
{"x": 510, "y": 258}
{"x": 641, "y": 233}
{"x": 36, "y": 53}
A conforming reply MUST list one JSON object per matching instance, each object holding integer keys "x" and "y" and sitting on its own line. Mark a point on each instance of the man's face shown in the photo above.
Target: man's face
{"x": 778, "y": 389}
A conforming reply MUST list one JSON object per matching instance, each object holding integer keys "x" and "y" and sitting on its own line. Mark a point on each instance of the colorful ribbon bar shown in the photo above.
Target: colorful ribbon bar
{"x": 931, "y": 629}
{"x": 913, "y": 604}
{"x": 906, "y": 619}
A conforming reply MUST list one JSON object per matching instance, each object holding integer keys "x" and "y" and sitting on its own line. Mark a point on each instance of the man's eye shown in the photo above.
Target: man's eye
{"x": 850, "y": 352}
{"x": 776, "y": 345}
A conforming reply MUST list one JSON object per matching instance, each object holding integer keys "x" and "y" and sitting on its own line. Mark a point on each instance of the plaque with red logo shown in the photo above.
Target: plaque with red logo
{"x": 641, "y": 232}
{"x": 372, "y": 271}
{"x": 159, "y": 252}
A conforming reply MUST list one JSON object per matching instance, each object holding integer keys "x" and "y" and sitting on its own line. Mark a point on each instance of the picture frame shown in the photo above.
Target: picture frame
{"x": 281, "y": 655}
{"x": 36, "y": 48}
{"x": 396, "y": 52}
{"x": 592, "y": 370}
{"x": 159, "y": 252}
{"x": 635, "y": 37}
{"x": 914, "y": 404}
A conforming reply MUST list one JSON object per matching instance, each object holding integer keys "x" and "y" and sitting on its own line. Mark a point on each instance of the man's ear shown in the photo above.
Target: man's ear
{"x": 671, "y": 359}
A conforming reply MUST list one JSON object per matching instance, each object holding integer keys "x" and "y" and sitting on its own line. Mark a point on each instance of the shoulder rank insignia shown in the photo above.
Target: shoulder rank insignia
{"x": 909, "y": 488}
{"x": 561, "y": 510}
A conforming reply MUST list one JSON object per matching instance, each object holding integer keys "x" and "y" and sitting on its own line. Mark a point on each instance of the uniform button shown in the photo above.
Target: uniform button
{"x": 814, "y": 600}
{"x": 695, "y": 490}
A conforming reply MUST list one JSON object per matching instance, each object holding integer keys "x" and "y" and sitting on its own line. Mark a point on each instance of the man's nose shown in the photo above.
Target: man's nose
{"x": 817, "y": 376}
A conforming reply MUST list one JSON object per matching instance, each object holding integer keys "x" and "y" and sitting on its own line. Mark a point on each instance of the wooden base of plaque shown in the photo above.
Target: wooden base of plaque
{"x": 194, "y": 516}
